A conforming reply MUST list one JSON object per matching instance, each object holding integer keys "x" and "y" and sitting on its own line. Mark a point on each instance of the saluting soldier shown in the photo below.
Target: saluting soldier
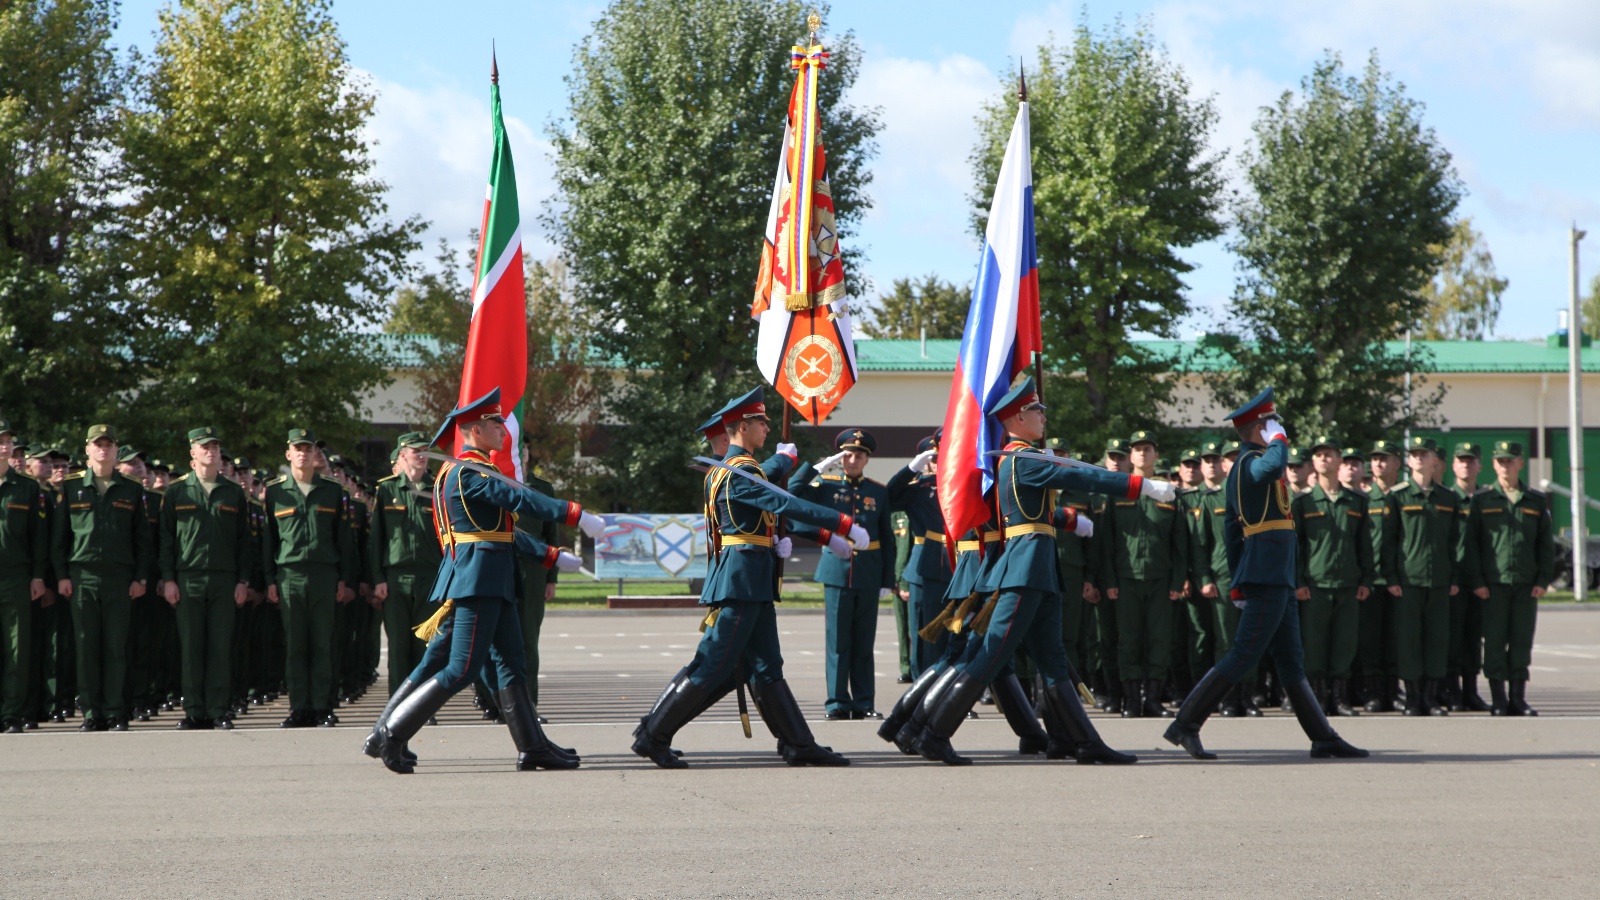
{"x": 854, "y": 585}
{"x": 741, "y": 589}
{"x": 1510, "y": 561}
{"x": 1148, "y": 538}
{"x": 205, "y": 563}
{"x": 1335, "y": 574}
{"x": 1376, "y": 657}
{"x": 914, "y": 490}
{"x": 102, "y": 545}
{"x": 1216, "y": 580}
{"x": 1466, "y": 612}
{"x": 1425, "y": 544}
{"x": 310, "y": 564}
{"x": 1262, "y": 554}
{"x": 405, "y": 553}
{"x": 24, "y": 563}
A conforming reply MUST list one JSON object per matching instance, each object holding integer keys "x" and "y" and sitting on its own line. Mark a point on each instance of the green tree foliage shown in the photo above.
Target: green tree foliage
{"x": 663, "y": 171}
{"x": 1464, "y": 295}
{"x": 1121, "y": 181}
{"x": 257, "y": 237}
{"x": 1350, "y": 205}
{"x": 63, "y": 321}
{"x": 916, "y": 304}
{"x": 1590, "y": 308}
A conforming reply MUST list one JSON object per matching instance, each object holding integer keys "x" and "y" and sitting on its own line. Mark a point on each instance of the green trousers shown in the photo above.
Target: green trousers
{"x": 1329, "y": 624}
{"x": 1374, "y": 638}
{"x": 403, "y": 610}
{"x": 1105, "y": 639}
{"x": 1202, "y": 635}
{"x": 100, "y": 613}
{"x": 1508, "y": 620}
{"x": 531, "y": 612}
{"x": 1144, "y": 628}
{"x": 850, "y": 630}
{"x": 16, "y": 640}
{"x": 307, "y": 592}
{"x": 902, "y": 632}
{"x": 1422, "y": 632}
{"x": 1075, "y": 620}
{"x": 205, "y": 614}
{"x": 242, "y": 657}
{"x": 1466, "y": 634}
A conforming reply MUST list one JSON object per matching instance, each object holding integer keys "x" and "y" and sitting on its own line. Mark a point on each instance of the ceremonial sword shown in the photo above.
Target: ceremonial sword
{"x": 1057, "y": 460}
{"x": 717, "y": 463}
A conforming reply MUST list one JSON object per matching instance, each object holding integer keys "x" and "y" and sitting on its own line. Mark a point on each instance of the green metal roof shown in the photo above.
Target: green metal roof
{"x": 409, "y": 351}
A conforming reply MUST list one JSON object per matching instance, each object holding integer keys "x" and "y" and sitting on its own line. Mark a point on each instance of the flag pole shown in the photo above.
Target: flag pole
{"x": 1038, "y": 358}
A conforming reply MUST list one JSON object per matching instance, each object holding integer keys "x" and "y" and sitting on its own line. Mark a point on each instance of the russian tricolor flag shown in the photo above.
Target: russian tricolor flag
{"x": 999, "y": 341}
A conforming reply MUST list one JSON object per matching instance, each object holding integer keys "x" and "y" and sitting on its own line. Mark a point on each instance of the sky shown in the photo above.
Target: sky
{"x": 1512, "y": 88}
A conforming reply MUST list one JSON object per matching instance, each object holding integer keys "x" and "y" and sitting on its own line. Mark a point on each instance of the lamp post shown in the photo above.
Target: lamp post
{"x": 1580, "y": 546}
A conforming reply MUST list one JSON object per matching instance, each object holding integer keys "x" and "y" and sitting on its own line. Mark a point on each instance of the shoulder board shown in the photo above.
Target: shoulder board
{"x": 80, "y": 476}
{"x": 831, "y": 478}
{"x": 393, "y": 477}
{"x": 279, "y": 480}
{"x": 181, "y": 478}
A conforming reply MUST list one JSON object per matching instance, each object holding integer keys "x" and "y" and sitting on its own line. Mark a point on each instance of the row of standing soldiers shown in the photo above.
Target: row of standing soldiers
{"x": 127, "y": 591}
{"x": 1408, "y": 589}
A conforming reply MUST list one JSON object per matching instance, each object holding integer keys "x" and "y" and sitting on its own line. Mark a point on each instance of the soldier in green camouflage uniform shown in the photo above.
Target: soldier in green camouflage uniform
{"x": 1335, "y": 571}
{"x": 405, "y": 553}
{"x": 1115, "y": 457}
{"x": 1425, "y": 545}
{"x": 1376, "y": 659}
{"x": 24, "y": 563}
{"x": 1466, "y": 612}
{"x": 902, "y": 593}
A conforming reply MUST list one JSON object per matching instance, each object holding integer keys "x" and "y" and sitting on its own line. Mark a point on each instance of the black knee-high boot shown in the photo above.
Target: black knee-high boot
{"x": 906, "y": 738}
{"x": 407, "y": 719}
{"x": 1012, "y": 699}
{"x": 1197, "y": 707}
{"x": 534, "y": 750}
{"x": 374, "y": 742}
{"x": 801, "y": 749}
{"x": 946, "y": 711}
{"x": 1071, "y": 732}
{"x": 903, "y": 708}
{"x": 1325, "y": 742}
{"x": 654, "y": 740}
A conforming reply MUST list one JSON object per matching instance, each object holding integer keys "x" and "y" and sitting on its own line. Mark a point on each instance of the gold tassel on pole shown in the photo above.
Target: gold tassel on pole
{"x": 959, "y": 620}
{"x": 428, "y": 629}
{"x": 930, "y": 631}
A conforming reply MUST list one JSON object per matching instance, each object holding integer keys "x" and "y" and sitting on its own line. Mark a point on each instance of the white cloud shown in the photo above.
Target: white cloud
{"x": 433, "y": 150}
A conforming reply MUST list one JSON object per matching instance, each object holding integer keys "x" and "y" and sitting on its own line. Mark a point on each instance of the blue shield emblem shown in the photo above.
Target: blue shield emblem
{"x": 674, "y": 545}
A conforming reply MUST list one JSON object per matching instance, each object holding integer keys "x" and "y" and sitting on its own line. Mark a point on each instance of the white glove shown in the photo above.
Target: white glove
{"x": 1085, "y": 526}
{"x": 788, "y": 450}
{"x": 833, "y": 462}
{"x": 885, "y": 594}
{"x": 839, "y": 546}
{"x": 1158, "y": 490}
{"x": 783, "y": 545}
{"x": 566, "y": 562}
{"x": 858, "y": 537}
{"x": 1273, "y": 429}
{"x": 591, "y": 524}
{"x": 921, "y": 460}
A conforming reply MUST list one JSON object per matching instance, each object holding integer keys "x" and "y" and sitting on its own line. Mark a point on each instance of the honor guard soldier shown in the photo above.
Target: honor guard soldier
{"x": 103, "y": 554}
{"x": 1466, "y": 612}
{"x": 1335, "y": 555}
{"x": 741, "y": 589}
{"x": 1216, "y": 578}
{"x": 205, "y": 563}
{"x": 1510, "y": 561}
{"x": 853, "y": 585}
{"x": 1026, "y": 610}
{"x": 1262, "y": 552}
{"x": 24, "y": 562}
{"x": 1425, "y": 546}
{"x": 405, "y": 553}
{"x": 914, "y": 490}
{"x": 310, "y": 563}
{"x": 477, "y": 586}
{"x": 1148, "y": 540}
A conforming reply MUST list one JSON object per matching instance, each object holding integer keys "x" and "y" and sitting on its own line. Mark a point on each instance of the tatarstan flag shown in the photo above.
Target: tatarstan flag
{"x": 497, "y": 340}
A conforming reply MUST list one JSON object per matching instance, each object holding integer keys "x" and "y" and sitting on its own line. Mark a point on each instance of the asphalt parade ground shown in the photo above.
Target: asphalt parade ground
{"x": 1461, "y": 806}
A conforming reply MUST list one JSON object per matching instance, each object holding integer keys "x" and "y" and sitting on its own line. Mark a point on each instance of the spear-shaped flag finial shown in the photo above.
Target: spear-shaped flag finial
{"x": 1022, "y": 84}
{"x": 494, "y": 65}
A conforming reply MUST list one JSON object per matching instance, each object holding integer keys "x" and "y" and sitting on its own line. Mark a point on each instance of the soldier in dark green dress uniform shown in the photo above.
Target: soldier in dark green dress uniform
{"x": 103, "y": 554}
{"x": 1425, "y": 545}
{"x": 1262, "y": 553}
{"x": 902, "y": 592}
{"x": 1335, "y": 575}
{"x": 914, "y": 490}
{"x": 1076, "y": 558}
{"x": 538, "y": 586}
{"x": 1509, "y": 561}
{"x": 853, "y": 586}
{"x": 205, "y": 560}
{"x": 1466, "y": 612}
{"x": 24, "y": 563}
{"x": 741, "y": 589}
{"x": 405, "y": 553}
{"x": 1375, "y": 647}
{"x": 1115, "y": 456}
{"x": 52, "y": 663}
{"x": 1027, "y": 610}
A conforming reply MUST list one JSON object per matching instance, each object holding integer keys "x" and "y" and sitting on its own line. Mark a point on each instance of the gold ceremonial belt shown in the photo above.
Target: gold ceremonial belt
{"x": 871, "y": 545}
{"x": 934, "y": 536}
{"x": 472, "y": 537}
{"x": 1031, "y": 528}
{"x": 752, "y": 540}
{"x": 967, "y": 546}
{"x": 1274, "y": 525}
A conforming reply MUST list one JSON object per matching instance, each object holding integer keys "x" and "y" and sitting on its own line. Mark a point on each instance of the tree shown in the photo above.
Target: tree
{"x": 912, "y": 306}
{"x": 663, "y": 173}
{"x": 1463, "y": 297}
{"x": 1121, "y": 181}
{"x": 258, "y": 240}
{"x": 437, "y": 306}
{"x": 1590, "y": 309}
{"x": 64, "y": 322}
{"x": 1349, "y": 210}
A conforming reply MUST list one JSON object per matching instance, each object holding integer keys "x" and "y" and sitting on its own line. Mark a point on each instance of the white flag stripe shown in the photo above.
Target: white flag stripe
{"x": 513, "y": 247}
